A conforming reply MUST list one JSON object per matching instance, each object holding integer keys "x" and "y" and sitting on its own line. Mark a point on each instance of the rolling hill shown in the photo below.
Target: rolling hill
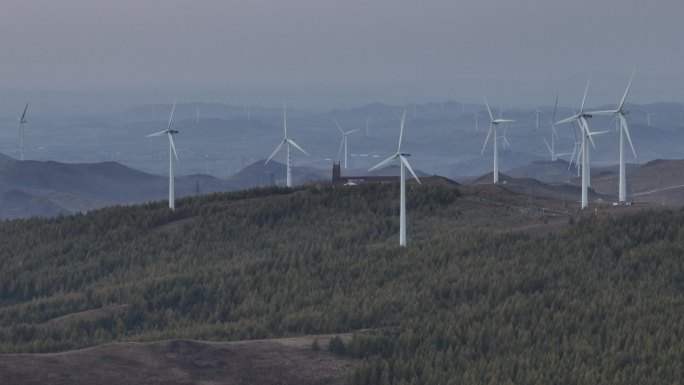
{"x": 33, "y": 188}
{"x": 530, "y": 187}
{"x": 487, "y": 291}
{"x": 658, "y": 181}
{"x": 260, "y": 174}
{"x": 544, "y": 171}
{"x": 46, "y": 189}
{"x": 477, "y": 166}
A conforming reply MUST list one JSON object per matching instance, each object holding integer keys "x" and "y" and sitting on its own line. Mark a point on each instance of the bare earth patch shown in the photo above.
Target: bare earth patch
{"x": 287, "y": 361}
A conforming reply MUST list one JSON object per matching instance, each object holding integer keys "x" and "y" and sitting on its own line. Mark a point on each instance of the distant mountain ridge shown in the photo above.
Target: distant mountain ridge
{"x": 35, "y": 188}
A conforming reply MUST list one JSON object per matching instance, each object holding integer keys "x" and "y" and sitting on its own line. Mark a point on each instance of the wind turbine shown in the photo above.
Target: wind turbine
{"x": 648, "y": 116}
{"x": 504, "y": 139}
{"x": 554, "y": 136}
{"x": 286, "y": 142}
{"x": 554, "y": 133}
{"x": 402, "y": 162}
{"x": 477, "y": 115}
{"x": 22, "y": 121}
{"x": 344, "y": 142}
{"x": 620, "y": 113}
{"x": 172, "y": 152}
{"x": 493, "y": 129}
{"x": 581, "y": 118}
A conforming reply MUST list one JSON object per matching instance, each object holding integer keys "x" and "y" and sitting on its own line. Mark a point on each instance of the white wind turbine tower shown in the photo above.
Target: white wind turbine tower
{"x": 172, "y": 152}
{"x": 402, "y": 163}
{"x": 344, "y": 142}
{"x": 286, "y": 142}
{"x": 493, "y": 129}
{"x": 620, "y": 113}
{"x": 581, "y": 119}
{"x": 22, "y": 121}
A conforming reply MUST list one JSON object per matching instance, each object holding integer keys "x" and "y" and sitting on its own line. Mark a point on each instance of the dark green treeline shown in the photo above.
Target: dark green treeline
{"x": 599, "y": 302}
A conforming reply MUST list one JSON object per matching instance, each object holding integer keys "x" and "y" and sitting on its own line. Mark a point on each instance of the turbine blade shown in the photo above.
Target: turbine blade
{"x": 349, "y": 132}
{"x": 554, "y": 132}
{"x": 168, "y": 128}
{"x": 604, "y": 112}
{"x": 491, "y": 117}
{"x": 584, "y": 126}
{"x": 401, "y": 131}
{"x": 295, "y": 145}
{"x": 584, "y": 98}
{"x": 567, "y": 120}
{"x": 591, "y": 136}
{"x": 23, "y": 116}
{"x": 572, "y": 158}
{"x": 173, "y": 146}
{"x": 491, "y": 127}
{"x": 579, "y": 155}
{"x": 160, "y": 133}
{"x": 339, "y": 152}
{"x": 275, "y": 151}
{"x": 623, "y": 123}
{"x": 384, "y": 162}
{"x": 408, "y": 166}
{"x": 622, "y": 102}
{"x": 338, "y": 126}
{"x": 555, "y": 105}
{"x": 285, "y": 120}
{"x": 547, "y": 145}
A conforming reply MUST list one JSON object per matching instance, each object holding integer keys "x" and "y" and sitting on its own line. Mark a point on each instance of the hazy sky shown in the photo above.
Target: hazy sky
{"x": 140, "y": 43}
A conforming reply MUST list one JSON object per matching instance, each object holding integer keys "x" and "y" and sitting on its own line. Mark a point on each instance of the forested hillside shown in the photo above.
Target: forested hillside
{"x": 476, "y": 298}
